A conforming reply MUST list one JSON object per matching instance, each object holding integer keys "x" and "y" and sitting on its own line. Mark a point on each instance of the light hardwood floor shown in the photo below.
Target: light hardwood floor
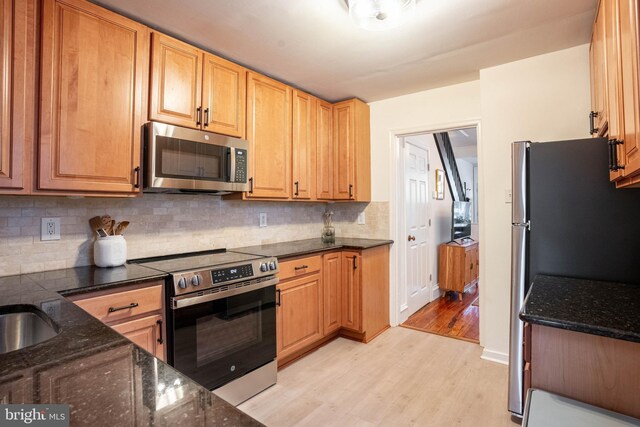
{"x": 402, "y": 378}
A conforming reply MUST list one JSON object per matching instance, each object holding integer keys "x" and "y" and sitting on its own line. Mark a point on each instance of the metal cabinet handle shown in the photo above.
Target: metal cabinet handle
{"x": 351, "y": 191}
{"x": 355, "y": 262}
{"x": 198, "y": 116}
{"x": 159, "y": 323}
{"x": 251, "y": 185}
{"x": 302, "y": 267}
{"x": 278, "y": 296}
{"x": 613, "y": 155}
{"x": 592, "y": 127}
{"x": 296, "y": 192}
{"x": 206, "y": 117}
{"x": 136, "y": 183}
{"x": 411, "y": 238}
{"x": 124, "y": 307}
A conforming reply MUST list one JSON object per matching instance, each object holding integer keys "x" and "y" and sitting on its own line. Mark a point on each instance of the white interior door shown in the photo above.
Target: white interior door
{"x": 416, "y": 176}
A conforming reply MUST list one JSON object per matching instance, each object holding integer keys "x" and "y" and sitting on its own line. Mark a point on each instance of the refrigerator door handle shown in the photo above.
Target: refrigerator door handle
{"x": 519, "y": 182}
{"x": 518, "y": 279}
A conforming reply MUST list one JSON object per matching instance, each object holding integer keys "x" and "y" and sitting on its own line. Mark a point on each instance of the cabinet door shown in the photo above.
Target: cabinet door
{"x": 598, "y": 72}
{"x": 91, "y": 104}
{"x": 299, "y": 315}
{"x": 351, "y": 291}
{"x": 269, "y": 135}
{"x": 332, "y": 286}
{"x": 224, "y": 96}
{"x": 612, "y": 47}
{"x": 17, "y": 94}
{"x": 468, "y": 266}
{"x": 304, "y": 143}
{"x": 324, "y": 150}
{"x": 147, "y": 332}
{"x": 629, "y": 74}
{"x": 72, "y": 381}
{"x": 176, "y": 82}
{"x": 344, "y": 151}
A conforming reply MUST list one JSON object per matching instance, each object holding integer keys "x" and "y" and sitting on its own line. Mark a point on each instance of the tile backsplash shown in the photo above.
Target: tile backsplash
{"x": 163, "y": 224}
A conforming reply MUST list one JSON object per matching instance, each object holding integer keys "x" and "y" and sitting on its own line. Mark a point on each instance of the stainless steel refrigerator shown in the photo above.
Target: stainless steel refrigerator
{"x": 567, "y": 220}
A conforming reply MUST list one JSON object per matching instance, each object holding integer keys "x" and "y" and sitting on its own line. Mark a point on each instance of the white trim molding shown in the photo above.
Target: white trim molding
{"x": 495, "y": 356}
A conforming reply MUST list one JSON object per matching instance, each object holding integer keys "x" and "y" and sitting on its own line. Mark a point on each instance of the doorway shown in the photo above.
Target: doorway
{"x": 425, "y": 223}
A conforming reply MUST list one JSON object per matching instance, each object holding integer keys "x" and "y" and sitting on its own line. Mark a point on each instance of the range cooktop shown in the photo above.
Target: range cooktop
{"x": 194, "y": 260}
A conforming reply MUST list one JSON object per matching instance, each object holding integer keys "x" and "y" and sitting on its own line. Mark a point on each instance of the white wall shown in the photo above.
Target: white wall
{"x": 437, "y": 109}
{"x": 543, "y": 98}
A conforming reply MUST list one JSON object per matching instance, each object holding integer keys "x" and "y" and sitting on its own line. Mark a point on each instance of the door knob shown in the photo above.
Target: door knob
{"x": 411, "y": 238}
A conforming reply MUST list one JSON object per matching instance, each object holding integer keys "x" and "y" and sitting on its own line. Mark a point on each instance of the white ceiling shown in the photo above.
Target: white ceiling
{"x": 311, "y": 44}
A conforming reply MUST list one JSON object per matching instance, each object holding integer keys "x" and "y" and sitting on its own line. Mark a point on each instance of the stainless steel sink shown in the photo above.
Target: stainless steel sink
{"x": 23, "y": 326}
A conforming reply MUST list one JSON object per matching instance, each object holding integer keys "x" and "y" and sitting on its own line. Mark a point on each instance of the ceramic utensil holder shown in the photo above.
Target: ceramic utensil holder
{"x": 110, "y": 251}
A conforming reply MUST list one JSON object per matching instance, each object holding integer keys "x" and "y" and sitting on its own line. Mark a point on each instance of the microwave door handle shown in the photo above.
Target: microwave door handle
{"x": 232, "y": 164}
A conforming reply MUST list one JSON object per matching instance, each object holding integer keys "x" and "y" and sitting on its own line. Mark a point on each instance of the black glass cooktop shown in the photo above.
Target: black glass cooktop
{"x": 194, "y": 260}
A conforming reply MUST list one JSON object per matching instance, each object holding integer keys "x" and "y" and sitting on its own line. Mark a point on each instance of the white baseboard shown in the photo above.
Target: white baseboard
{"x": 435, "y": 292}
{"x": 495, "y": 356}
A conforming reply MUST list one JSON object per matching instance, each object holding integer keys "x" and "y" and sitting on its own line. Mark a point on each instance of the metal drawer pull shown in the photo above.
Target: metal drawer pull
{"x": 124, "y": 307}
{"x": 159, "y": 323}
{"x": 278, "y": 301}
{"x": 302, "y": 267}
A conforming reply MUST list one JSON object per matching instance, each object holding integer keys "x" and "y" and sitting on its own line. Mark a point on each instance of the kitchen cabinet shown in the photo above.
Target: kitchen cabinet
{"x": 18, "y": 31}
{"x": 614, "y": 86}
{"x": 596, "y": 370}
{"x": 299, "y": 307}
{"x": 331, "y": 286}
{"x": 304, "y": 146}
{"x": 352, "y": 151}
{"x": 15, "y": 388}
{"x": 92, "y": 99}
{"x": 324, "y": 150}
{"x": 95, "y": 375}
{"x": 597, "y": 60}
{"x": 193, "y": 88}
{"x": 351, "y": 306}
{"x": 458, "y": 266}
{"x": 269, "y": 135}
{"x": 134, "y": 311}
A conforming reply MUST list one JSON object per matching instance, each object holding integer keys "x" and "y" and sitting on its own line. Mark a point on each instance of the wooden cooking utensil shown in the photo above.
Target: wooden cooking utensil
{"x": 95, "y": 223}
{"x": 112, "y": 227}
{"x": 121, "y": 227}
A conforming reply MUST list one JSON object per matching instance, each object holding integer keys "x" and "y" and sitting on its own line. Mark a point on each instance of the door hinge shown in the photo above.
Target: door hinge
{"x": 428, "y": 167}
{"x": 429, "y": 222}
{"x": 430, "y": 278}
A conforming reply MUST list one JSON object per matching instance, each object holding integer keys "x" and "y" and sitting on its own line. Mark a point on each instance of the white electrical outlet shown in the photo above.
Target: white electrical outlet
{"x": 361, "y": 218}
{"x": 263, "y": 219}
{"x": 50, "y": 229}
{"x": 507, "y": 196}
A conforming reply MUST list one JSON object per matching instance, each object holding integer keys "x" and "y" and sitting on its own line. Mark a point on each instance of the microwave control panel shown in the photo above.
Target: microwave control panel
{"x": 241, "y": 166}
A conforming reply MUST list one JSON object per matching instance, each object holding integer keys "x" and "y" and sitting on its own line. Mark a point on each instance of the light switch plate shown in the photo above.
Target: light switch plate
{"x": 263, "y": 219}
{"x": 508, "y": 198}
{"x": 361, "y": 218}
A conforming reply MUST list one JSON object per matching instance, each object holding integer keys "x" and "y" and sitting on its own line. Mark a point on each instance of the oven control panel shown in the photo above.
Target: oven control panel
{"x": 194, "y": 281}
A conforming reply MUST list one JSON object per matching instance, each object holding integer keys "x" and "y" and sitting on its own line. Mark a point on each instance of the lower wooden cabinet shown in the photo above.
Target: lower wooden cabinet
{"x": 299, "y": 314}
{"x": 458, "y": 266}
{"x": 342, "y": 293}
{"x": 592, "y": 369}
{"x": 137, "y": 312}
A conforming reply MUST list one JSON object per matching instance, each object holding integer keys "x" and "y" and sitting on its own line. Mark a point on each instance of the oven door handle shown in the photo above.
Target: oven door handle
{"x": 188, "y": 300}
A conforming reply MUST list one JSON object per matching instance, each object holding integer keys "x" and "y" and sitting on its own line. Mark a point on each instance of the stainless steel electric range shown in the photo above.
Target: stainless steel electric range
{"x": 221, "y": 319}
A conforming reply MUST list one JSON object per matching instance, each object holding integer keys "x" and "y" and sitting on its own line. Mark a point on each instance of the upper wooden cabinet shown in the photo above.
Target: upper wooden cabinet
{"x": 304, "y": 146}
{"x": 92, "y": 99}
{"x": 352, "y": 151}
{"x": 614, "y": 86}
{"x": 324, "y": 150}
{"x": 193, "y": 88}
{"x": 17, "y": 94}
{"x": 269, "y": 134}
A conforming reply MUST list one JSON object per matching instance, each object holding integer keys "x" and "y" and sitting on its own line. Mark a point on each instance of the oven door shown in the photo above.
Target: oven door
{"x": 222, "y": 339}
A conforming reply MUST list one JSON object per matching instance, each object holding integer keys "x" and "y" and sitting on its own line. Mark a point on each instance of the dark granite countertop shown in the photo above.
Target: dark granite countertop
{"x": 589, "y": 306}
{"x": 104, "y": 377}
{"x": 309, "y": 246}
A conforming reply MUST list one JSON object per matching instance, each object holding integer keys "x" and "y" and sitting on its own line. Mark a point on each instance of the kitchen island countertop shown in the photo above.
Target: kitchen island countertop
{"x": 589, "y": 306}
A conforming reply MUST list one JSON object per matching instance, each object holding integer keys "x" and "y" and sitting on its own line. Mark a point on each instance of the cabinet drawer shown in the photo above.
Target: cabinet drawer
{"x": 111, "y": 307}
{"x": 299, "y": 267}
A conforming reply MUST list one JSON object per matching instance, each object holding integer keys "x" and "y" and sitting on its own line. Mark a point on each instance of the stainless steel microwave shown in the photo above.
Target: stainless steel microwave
{"x": 182, "y": 160}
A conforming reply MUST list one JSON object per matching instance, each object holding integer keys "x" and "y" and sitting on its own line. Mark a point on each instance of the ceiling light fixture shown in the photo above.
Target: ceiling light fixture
{"x": 379, "y": 15}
